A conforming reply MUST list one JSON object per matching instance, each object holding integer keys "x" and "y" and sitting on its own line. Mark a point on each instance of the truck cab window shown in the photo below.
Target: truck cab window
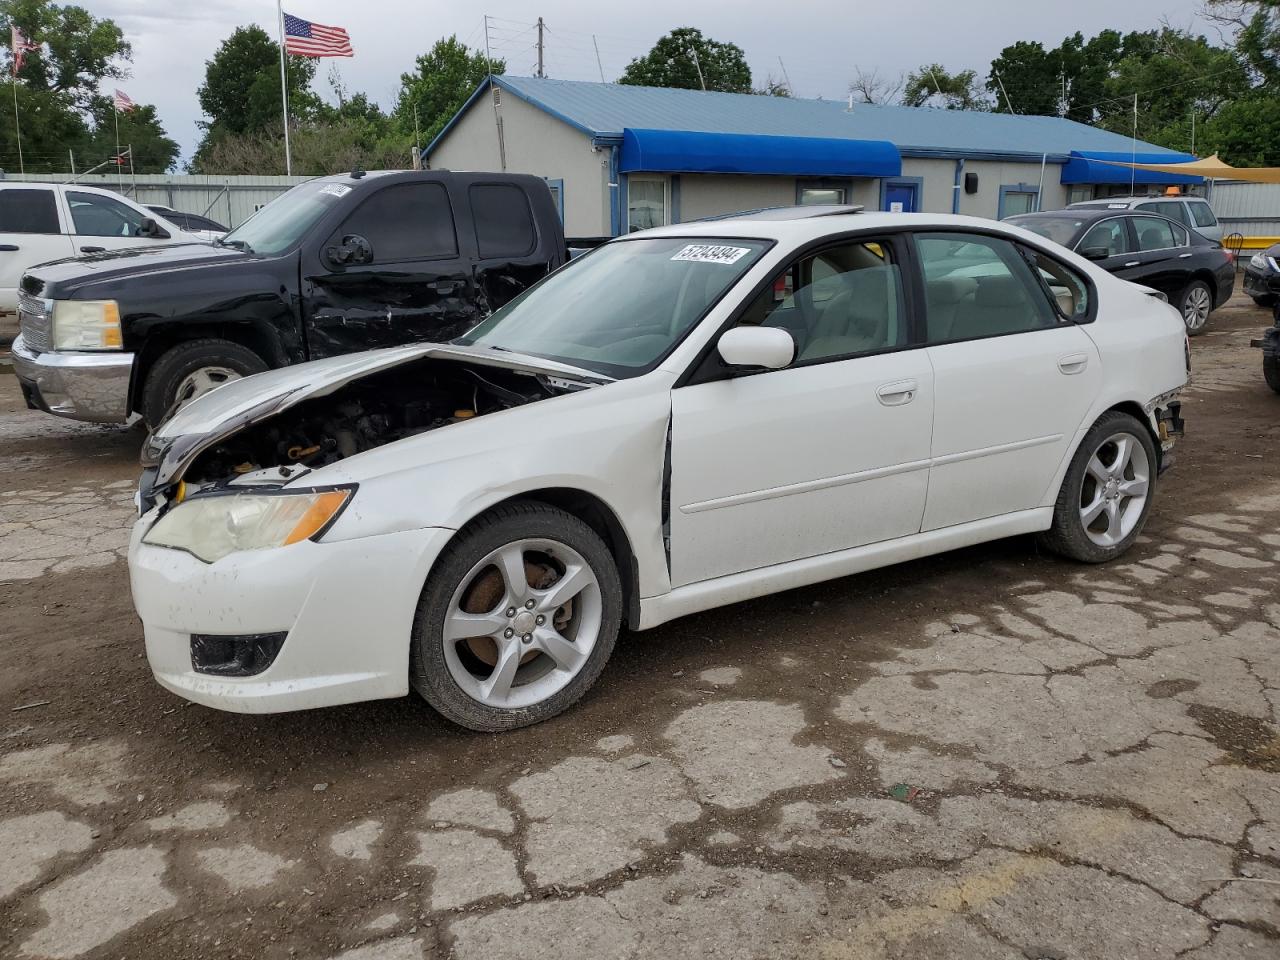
{"x": 408, "y": 221}
{"x": 504, "y": 223}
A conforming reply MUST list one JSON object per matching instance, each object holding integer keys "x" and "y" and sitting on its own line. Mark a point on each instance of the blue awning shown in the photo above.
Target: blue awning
{"x": 689, "y": 151}
{"x": 1083, "y": 167}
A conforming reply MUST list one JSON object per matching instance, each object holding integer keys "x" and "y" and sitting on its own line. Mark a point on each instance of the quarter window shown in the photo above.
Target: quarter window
{"x": 1110, "y": 235}
{"x": 1202, "y": 214}
{"x": 28, "y": 211}
{"x": 98, "y": 216}
{"x": 1155, "y": 233}
{"x": 408, "y": 221}
{"x": 843, "y": 301}
{"x": 978, "y": 286}
{"x": 1066, "y": 289}
{"x": 504, "y": 223}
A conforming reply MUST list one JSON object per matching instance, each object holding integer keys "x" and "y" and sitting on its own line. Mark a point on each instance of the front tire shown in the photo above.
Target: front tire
{"x": 517, "y": 620}
{"x": 1195, "y": 303}
{"x": 1107, "y": 492}
{"x": 190, "y": 370}
{"x": 1271, "y": 371}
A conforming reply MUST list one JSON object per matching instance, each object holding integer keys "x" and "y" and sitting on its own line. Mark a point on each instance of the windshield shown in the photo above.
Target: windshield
{"x": 620, "y": 308}
{"x": 1060, "y": 230}
{"x": 283, "y": 221}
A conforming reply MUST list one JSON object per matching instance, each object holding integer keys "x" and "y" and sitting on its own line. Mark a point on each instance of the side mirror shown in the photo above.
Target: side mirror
{"x": 758, "y": 348}
{"x": 353, "y": 249}
{"x": 152, "y": 230}
{"x": 1095, "y": 253}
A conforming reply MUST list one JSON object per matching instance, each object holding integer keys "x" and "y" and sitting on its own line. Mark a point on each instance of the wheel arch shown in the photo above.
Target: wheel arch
{"x": 164, "y": 338}
{"x": 1133, "y": 409}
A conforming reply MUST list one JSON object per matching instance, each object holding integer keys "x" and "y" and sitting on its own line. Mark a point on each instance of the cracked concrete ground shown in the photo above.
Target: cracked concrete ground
{"x": 992, "y": 754}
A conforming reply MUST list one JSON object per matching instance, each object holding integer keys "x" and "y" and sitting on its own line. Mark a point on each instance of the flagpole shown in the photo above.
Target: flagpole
{"x": 17, "y": 127}
{"x": 115, "y": 112}
{"x": 284, "y": 90}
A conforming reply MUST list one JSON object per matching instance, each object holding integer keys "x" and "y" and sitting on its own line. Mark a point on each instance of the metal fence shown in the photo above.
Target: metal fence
{"x": 229, "y": 200}
{"x": 1251, "y": 209}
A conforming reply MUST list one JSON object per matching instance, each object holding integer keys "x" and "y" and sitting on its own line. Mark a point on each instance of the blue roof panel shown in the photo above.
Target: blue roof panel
{"x": 604, "y": 110}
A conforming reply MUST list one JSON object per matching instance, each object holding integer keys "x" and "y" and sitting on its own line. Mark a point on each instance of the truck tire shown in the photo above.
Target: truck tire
{"x": 1271, "y": 371}
{"x": 1107, "y": 492}
{"x": 1195, "y": 303}
{"x": 191, "y": 369}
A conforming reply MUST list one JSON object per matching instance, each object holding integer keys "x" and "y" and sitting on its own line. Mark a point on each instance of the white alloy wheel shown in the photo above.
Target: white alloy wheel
{"x": 1114, "y": 490}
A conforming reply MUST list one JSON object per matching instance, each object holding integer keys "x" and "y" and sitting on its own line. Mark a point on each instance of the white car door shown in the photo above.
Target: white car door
{"x": 31, "y": 232}
{"x": 827, "y": 454}
{"x": 101, "y": 222}
{"x": 1013, "y": 377}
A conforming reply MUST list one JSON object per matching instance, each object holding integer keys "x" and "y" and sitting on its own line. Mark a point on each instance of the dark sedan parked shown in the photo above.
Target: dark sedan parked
{"x": 1194, "y": 272}
{"x": 1262, "y": 276}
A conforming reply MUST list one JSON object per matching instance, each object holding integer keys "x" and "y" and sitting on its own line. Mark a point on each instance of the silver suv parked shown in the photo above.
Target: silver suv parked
{"x": 1193, "y": 212}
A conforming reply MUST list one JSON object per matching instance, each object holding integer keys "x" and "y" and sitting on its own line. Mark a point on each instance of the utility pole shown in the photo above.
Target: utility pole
{"x": 599, "y": 65}
{"x": 541, "y": 74}
{"x": 1193, "y": 129}
{"x": 1007, "y": 102}
{"x": 698, "y": 66}
{"x": 1133, "y": 170}
{"x": 786, "y": 79}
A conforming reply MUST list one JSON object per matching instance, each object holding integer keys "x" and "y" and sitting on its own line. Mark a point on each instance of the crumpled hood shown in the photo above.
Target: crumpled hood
{"x": 235, "y": 405}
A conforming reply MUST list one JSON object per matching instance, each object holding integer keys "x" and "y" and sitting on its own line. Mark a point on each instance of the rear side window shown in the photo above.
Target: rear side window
{"x": 28, "y": 211}
{"x": 504, "y": 222}
{"x": 1202, "y": 214}
{"x": 1156, "y": 234}
{"x": 978, "y": 286}
{"x": 408, "y": 221}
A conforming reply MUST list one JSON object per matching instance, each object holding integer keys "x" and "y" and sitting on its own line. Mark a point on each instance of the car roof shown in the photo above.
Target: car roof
{"x": 1131, "y": 200}
{"x": 1071, "y": 213}
{"x": 803, "y": 227}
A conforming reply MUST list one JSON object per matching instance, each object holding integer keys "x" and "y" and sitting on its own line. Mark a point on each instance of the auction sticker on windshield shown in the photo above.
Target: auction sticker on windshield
{"x": 711, "y": 253}
{"x": 338, "y": 190}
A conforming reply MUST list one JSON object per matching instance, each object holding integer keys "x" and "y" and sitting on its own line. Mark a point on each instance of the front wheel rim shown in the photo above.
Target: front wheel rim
{"x": 1114, "y": 490}
{"x": 536, "y": 638}
{"x": 1196, "y": 309}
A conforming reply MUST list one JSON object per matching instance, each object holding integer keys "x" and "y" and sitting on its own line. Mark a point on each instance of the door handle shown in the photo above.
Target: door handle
{"x": 9, "y": 247}
{"x": 92, "y": 249}
{"x": 897, "y": 393}
{"x": 1134, "y": 263}
{"x": 1073, "y": 363}
{"x": 1183, "y": 256}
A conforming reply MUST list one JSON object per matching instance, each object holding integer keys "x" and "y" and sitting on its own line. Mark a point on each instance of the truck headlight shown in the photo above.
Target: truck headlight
{"x": 86, "y": 325}
{"x": 211, "y": 527}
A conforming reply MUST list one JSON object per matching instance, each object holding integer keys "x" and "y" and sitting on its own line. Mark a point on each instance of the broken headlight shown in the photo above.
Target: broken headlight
{"x": 211, "y": 527}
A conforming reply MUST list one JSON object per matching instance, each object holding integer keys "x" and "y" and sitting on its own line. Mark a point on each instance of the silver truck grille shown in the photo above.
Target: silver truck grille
{"x": 36, "y": 323}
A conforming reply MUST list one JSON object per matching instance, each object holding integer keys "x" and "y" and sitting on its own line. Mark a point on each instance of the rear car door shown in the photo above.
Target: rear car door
{"x": 1013, "y": 379}
{"x": 1162, "y": 252}
{"x": 101, "y": 223}
{"x": 827, "y": 454}
{"x": 414, "y": 286}
{"x": 31, "y": 232}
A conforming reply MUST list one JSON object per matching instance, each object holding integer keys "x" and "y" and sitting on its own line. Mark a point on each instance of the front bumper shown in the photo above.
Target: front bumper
{"x": 346, "y": 607}
{"x": 81, "y": 386}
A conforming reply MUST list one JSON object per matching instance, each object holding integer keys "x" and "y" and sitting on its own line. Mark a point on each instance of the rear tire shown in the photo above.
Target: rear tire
{"x": 542, "y": 592}
{"x": 190, "y": 370}
{"x": 1107, "y": 492}
{"x": 1271, "y": 372}
{"x": 1195, "y": 303}
{"x": 1264, "y": 301}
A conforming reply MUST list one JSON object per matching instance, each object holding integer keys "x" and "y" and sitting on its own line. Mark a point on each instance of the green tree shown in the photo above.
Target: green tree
{"x": 1255, "y": 26}
{"x": 684, "y": 58}
{"x": 442, "y": 79}
{"x": 932, "y": 86}
{"x": 78, "y": 51}
{"x": 241, "y": 89}
{"x": 153, "y": 152}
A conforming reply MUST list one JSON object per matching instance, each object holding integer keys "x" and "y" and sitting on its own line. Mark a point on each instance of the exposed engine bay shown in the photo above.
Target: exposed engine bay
{"x": 367, "y": 413}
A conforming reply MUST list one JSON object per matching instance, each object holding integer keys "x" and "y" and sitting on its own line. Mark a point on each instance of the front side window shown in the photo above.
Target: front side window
{"x": 1202, "y": 214}
{"x": 619, "y": 309}
{"x": 98, "y": 216}
{"x": 842, "y": 301}
{"x": 1155, "y": 233}
{"x": 979, "y": 286}
{"x": 407, "y": 221}
{"x": 646, "y": 203}
{"x": 1108, "y": 238}
{"x": 28, "y": 211}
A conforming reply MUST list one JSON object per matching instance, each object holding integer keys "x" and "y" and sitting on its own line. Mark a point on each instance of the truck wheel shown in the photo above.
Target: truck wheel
{"x": 1107, "y": 492}
{"x": 191, "y": 369}
{"x": 517, "y": 619}
{"x": 1271, "y": 370}
{"x": 1195, "y": 303}
{"x": 1266, "y": 300}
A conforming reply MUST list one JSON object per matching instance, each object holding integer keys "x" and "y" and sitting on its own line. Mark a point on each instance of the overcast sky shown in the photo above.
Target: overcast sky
{"x": 821, "y": 42}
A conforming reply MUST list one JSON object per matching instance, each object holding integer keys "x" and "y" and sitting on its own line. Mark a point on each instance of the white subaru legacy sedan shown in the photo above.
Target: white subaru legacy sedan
{"x": 683, "y": 418}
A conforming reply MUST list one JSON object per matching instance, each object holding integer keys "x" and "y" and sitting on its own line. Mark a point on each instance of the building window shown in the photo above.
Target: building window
{"x": 809, "y": 195}
{"x": 1018, "y": 198}
{"x": 646, "y": 203}
{"x": 1079, "y": 194}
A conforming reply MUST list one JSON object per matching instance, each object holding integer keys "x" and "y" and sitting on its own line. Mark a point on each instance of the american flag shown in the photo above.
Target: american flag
{"x": 22, "y": 45}
{"x": 302, "y": 38}
{"x": 122, "y": 101}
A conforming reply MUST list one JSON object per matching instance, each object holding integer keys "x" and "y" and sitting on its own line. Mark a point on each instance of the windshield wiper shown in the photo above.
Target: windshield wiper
{"x": 234, "y": 244}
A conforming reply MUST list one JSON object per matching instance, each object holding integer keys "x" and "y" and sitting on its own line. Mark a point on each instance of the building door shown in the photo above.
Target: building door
{"x": 900, "y": 197}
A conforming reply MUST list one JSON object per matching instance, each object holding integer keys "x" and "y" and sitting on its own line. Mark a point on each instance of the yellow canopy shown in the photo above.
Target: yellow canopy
{"x": 1210, "y": 167}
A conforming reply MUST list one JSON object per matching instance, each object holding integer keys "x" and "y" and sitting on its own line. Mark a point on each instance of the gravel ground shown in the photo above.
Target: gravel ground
{"x": 989, "y": 754}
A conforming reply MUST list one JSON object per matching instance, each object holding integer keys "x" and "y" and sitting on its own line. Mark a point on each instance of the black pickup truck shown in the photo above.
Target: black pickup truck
{"x": 336, "y": 265}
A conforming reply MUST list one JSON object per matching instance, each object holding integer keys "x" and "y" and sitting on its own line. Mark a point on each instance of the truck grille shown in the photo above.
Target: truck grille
{"x": 36, "y": 323}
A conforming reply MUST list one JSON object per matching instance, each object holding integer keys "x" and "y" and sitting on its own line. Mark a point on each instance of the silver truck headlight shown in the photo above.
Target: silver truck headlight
{"x": 86, "y": 325}
{"x": 212, "y": 526}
